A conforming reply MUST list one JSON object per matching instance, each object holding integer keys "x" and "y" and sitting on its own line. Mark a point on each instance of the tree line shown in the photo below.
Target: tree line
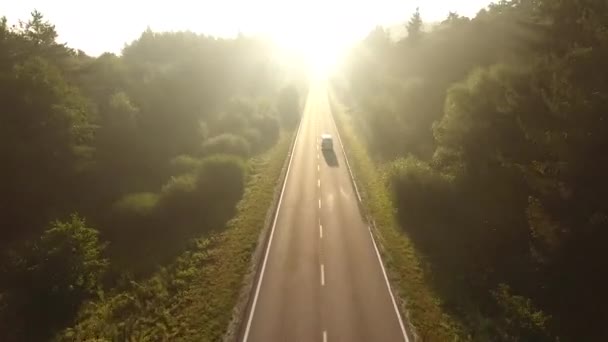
{"x": 112, "y": 164}
{"x": 491, "y": 133}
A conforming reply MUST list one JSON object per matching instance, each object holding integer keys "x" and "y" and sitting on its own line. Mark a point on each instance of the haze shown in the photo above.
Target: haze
{"x": 259, "y": 171}
{"x": 302, "y": 25}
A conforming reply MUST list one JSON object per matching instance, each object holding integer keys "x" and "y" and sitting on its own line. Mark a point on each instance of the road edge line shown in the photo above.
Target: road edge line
{"x": 352, "y": 178}
{"x": 272, "y": 229}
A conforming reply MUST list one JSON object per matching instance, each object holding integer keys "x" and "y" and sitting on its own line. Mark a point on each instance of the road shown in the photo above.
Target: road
{"x": 321, "y": 277}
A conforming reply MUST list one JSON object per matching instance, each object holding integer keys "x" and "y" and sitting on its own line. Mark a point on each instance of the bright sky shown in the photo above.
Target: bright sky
{"x": 310, "y": 26}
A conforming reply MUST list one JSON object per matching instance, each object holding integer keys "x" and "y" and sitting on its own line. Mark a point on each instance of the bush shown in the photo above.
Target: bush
{"x": 268, "y": 129}
{"x": 204, "y": 197}
{"x": 139, "y": 204}
{"x": 222, "y": 177}
{"x": 46, "y": 281}
{"x": 185, "y": 163}
{"x": 227, "y": 144}
{"x": 289, "y": 106}
{"x": 521, "y": 321}
{"x": 181, "y": 196}
{"x": 423, "y": 193}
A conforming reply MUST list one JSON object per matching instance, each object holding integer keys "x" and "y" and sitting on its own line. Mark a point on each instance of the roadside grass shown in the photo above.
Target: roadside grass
{"x": 421, "y": 306}
{"x": 193, "y": 298}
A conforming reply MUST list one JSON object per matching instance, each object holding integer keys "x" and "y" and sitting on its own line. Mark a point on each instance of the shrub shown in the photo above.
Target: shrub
{"x": 227, "y": 144}
{"x": 139, "y": 204}
{"x": 521, "y": 321}
{"x": 206, "y": 196}
{"x": 222, "y": 177}
{"x": 185, "y": 163}
{"x": 420, "y": 190}
{"x": 181, "y": 195}
{"x": 289, "y": 106}
{"x": 48, "y": 279}
{"x": 269, "y": 130}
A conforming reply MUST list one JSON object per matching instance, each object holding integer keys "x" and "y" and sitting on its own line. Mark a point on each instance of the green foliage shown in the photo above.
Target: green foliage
{"x": 289, "y": 106}
{"x": 493, "y": 131}
{"x": 44, "y": 130}
{"x": 414, "y": 26}
{"x": 46, "y": 281}
{"x": 404, "y": 263}
{"x": 140, "y": 204}
{"x": 124, "y": 141}
{"x": 71, "y": 252}
{"x": 191, "y": 299}
{"x": 522, "y": 320}
{"x": 254, "y": 121}
{"x": 265, "y": 130}
{"x": 185, "y": 163}
{"x": 228, "y": 144}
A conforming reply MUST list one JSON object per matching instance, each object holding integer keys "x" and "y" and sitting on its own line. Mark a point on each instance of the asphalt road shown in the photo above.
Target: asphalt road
{"x": 321, "y": 277}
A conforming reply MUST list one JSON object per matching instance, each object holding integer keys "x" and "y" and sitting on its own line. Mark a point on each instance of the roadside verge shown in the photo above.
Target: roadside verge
{"x": 194, "y": 298}
{"x": 423, "y": 313}
{"x": 242, "y": 312}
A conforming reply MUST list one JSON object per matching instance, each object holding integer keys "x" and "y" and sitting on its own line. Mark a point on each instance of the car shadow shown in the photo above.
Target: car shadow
{"x": 330, "y": 158}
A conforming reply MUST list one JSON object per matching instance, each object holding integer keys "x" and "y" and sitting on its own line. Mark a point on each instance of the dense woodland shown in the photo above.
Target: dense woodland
{"x": 492, "y": 134}
{"x": 112, "y": 164}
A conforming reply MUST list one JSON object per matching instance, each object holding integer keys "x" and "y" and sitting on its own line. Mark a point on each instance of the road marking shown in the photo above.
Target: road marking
{"x": 322, "y": 275}
{"x": 274, "y": 224}
{"x": 318, "y": 157}
{"x": 388, "y": 285}
{"x": 324, "y": 335}
{"x": 321, "y": 231}
{"x": 318, "y": 183}
{"x": 350, "y": 171}
{"x": 318, "y": 167}
{"x": 319, "y": 203}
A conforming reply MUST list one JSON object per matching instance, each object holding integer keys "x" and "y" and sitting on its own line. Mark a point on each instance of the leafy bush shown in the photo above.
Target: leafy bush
{"x": 227, "y": 144}
{"x": 101, "y": 135}
{"x": 269, "y": 130}
{"x": 185, "y": 163}
{"x": 139, "y": 204}
{"x": 222, "y": 178}
{"x": 521, "y": 320}
{"x": 46, "y": 281}
{"x": 191, "y": 299}
{"x": 288, "y": 106}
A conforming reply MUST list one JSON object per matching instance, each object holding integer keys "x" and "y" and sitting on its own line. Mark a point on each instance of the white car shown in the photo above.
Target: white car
{"x": 327, "y": 142}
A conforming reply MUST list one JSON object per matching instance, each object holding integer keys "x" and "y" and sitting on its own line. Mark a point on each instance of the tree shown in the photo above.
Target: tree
{"x": 45, "y": 137}
{"x": 48, "y": 279}
{"x": 289, "y": 106}
{"x": 414, "y": 26}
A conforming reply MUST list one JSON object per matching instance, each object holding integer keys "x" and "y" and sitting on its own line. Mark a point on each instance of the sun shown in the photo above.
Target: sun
{"x": 322, "y": 56}
{"x": 321, "y": 46}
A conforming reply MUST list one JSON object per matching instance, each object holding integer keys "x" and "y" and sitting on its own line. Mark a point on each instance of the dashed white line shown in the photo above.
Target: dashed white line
{"x": 318, "y": 157}
{"x": 324, "y": 335}
{"x": 321, "y": 231}
{"x": 319, "y": 203}
{"x": 318, "y": 167}
{"x": 388, "y": 285}
{"x": 322, "y": 275}
{"x": 318, "y": 183}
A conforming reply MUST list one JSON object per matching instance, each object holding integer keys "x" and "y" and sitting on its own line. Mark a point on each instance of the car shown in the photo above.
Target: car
{"x": 327, "y": 142}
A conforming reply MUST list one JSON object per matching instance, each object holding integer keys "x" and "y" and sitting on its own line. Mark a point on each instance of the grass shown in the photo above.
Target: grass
{"x": 192, "y": 299}
{"x": 421, "y": 306}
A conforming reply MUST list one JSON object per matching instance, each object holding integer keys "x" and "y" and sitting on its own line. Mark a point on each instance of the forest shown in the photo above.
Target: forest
{"x": 490, "y": 134}
{"x": 113, "y": 165}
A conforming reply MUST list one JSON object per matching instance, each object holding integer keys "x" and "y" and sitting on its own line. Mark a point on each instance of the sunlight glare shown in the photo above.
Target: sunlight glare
{"x": 320, "y": 42}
